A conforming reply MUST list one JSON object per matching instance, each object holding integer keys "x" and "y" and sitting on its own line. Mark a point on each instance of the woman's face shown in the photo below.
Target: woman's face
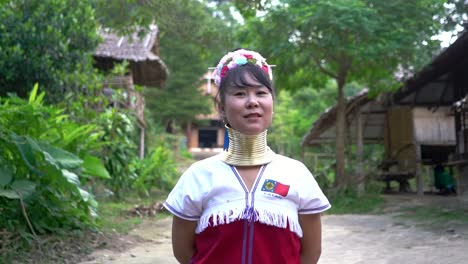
{"x": 249, "y": 109}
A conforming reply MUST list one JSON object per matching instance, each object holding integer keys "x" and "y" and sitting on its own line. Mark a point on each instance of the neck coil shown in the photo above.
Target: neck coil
{"x": 247, "y": 150}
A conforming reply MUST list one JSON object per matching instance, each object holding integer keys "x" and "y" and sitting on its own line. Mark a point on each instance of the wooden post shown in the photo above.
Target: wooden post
{"x": 360, "y": 150}
{"x": 142, "y": 142}
{"x": 417, "y": 156}
{"x": 419, "y": 181}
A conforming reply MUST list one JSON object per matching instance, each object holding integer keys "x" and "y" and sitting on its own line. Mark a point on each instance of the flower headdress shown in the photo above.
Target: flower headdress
{"x": 237, "y": 58}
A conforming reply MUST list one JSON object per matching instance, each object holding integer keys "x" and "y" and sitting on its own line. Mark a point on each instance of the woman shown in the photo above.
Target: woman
{"x": 246, "y": 204}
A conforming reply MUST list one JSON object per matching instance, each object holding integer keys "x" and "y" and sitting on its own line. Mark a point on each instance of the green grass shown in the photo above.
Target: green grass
{"x": 348, "y": 201}
{"x": 431, "y": 216}
{"x": 114, "y": 217}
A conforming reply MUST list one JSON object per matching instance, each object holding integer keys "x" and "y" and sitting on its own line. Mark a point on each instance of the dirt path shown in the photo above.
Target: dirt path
{"x": 347, "y": 239}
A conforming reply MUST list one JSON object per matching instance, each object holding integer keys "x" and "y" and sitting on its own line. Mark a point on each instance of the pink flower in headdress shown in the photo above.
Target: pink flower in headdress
{"x": 248, "y": 56}
{"x": 224, "y": 71}
{"x": 266, "y": 69}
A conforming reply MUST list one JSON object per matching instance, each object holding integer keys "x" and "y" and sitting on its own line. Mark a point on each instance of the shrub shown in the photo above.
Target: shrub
{"x": 44, "y": 158}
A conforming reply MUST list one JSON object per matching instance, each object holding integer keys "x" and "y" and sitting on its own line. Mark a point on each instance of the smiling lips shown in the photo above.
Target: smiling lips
{"x": 253, "y": 115}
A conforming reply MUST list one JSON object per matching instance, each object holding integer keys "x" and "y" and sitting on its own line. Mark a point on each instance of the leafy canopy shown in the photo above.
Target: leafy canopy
{"x": 362, "y": 40}
{"x": 190, "y": 44}
{"x": 46, "y": 42}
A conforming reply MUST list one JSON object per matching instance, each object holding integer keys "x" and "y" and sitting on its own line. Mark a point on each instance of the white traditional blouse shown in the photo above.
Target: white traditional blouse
{"x": 213, "y": 193}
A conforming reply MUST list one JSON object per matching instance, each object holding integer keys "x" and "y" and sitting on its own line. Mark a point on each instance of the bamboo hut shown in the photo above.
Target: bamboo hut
{"x": 433, "y": 92}
{"x": 370, "y": 129}
{"x": 365, "y": 125}
{"x": 416, "y": 136}
{"x": 411, "y": 136}
{"x": 145, "y": 68}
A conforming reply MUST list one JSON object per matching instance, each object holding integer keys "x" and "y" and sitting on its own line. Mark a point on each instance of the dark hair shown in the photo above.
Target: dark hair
{"x": 236, "y": 77}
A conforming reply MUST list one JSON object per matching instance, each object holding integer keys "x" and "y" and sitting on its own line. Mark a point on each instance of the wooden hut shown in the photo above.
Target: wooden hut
{"x": 145, "y": 68}
{"x": 205, "y": 136}
{"x": 369, "y": 129}
{"x": 416, "y": 136}
{"x": 411, "y": 136}
{"x": 365, "y": 122}
{"x": 435, "y": 89}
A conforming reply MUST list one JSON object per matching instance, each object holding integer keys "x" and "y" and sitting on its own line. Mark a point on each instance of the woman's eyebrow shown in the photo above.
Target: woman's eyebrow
{"x": 249, "y": 85}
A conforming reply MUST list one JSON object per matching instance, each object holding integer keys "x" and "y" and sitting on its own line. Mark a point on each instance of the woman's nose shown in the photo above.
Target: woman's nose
{"x": 252, "y": 101}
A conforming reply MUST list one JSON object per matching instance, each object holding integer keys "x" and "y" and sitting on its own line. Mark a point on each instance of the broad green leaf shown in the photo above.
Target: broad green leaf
{"x": 85, "y": 195}
{"x": 5, "y": 176}
{"x": 71, "y": 177}
{"x": 66, "y": 159}
{"x": 23, "y": 187}
{"x": 83, "y": 130}
{"x": 10, "y": 194}
{"x": 32, "y": 96}
{"x": 26, "y": 150}
{"x": 40, "y": 98}
{"x": 93, "y": 167}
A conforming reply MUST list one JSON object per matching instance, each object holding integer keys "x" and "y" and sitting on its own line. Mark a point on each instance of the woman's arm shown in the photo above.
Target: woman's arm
{"x": 183, "y": 239}
{"x": 311, "y": 242}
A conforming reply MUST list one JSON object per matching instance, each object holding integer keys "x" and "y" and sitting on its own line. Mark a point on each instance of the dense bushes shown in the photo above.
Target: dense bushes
{"x": 43, "y": 160}
{"x": 51, "y": 166}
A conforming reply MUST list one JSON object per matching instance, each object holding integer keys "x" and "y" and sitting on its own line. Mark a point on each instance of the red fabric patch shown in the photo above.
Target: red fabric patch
{"x": 265, "y": 69}
{"x": 281, "y": 189}
{"x": 223, "y": 244}
{"x": 224, "y": 71}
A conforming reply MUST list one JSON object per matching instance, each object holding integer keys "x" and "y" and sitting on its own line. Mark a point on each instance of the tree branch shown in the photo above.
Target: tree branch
{"x": 323, "y": 69}
{"x": 23, "y": 209}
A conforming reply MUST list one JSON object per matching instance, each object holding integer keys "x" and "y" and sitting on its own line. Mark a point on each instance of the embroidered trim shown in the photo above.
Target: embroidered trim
{"x": 318, "y": 209}
{"x": 264, "y": 216}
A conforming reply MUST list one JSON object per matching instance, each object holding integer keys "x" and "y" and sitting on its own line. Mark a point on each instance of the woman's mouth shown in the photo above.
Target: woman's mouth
{"x": 252, "y": 115}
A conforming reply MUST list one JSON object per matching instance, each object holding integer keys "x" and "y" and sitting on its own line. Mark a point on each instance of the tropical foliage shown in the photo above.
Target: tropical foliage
{"x": 44, "y": 160}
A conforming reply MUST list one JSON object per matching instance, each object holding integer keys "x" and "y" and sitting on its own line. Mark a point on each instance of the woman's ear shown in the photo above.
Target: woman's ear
{"x": 220, "y": 108}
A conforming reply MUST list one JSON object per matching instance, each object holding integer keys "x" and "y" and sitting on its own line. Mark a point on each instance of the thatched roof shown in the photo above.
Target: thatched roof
{"x": 442, "y": 82}
{"x": 323, "y": 130}
{"x": 142, "y": 53}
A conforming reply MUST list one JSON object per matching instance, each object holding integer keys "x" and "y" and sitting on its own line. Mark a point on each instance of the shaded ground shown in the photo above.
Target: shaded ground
{"x": 388, "y": 236}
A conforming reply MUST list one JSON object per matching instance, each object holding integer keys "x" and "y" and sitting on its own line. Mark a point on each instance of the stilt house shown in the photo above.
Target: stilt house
{"x": 145, "y": 68}
{"x": 440, "y": 89}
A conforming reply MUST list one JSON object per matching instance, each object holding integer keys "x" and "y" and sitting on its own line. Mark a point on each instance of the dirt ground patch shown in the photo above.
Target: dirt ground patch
{"x": 384, "y": 237}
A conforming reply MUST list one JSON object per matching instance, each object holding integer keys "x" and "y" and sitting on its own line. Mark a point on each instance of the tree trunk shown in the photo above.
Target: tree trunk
{"x": 340, "y": 180}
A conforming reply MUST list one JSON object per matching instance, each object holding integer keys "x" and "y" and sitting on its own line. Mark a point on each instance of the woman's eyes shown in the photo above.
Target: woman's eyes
{"x": 259, "y": 92}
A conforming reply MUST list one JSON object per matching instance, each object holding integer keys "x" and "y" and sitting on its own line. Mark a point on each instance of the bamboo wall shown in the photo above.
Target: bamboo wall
{"x": 434, "y": 128}
{"x": 398, "y": 138}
